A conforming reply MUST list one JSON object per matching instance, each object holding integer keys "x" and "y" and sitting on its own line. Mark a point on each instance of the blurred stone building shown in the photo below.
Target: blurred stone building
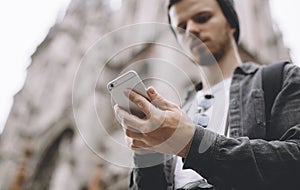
{"x": 61, "y": 133}
{"x": 260, "y": 37}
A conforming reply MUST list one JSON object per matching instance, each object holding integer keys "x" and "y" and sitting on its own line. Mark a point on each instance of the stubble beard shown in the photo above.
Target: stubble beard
{"x": 209, "y": 57}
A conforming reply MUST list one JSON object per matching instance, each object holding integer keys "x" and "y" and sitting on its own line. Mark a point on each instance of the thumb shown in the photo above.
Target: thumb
{"x": 159, "y": 101}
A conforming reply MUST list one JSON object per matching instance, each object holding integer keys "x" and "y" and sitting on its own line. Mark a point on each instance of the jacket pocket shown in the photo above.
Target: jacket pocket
{"x": 259, "y": 107}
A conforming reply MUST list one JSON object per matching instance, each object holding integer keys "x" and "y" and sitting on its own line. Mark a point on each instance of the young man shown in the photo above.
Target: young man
{"x": 241, "y": 152}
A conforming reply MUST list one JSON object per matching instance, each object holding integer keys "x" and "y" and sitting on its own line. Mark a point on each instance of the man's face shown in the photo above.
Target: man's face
{"x": 201, "y": 26}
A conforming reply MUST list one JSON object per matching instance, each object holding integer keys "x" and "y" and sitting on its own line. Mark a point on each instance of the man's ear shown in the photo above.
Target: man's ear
{"x": 232, "y": 30}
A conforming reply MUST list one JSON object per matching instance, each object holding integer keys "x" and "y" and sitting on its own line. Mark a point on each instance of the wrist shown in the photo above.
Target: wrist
{"x": 189, "y": 136}
{"x": 183, "y": 153}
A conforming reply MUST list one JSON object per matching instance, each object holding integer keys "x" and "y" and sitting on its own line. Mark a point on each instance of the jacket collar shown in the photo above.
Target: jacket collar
{"x": 247, "y": 68}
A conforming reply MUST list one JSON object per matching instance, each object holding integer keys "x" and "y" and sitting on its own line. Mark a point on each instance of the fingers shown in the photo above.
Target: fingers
{"x": 134, "y": 135}
{"x": 142, "y": 103}
{"x": 119, "y": 119}
{"x": 138, "y": 144}
{"x": 129, "y": 121}
{"x": 159, "y": 101}
{"x": 138, "y": 150}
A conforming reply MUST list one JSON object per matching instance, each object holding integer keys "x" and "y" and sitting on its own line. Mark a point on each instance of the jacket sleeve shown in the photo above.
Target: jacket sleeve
{"x": 149, "y": 173}
{"x": 244, "y": 163}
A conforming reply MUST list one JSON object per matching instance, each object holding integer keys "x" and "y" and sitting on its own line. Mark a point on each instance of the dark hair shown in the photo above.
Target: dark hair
{"x": 228, "y": 10}
{"x": 172, "y": 2}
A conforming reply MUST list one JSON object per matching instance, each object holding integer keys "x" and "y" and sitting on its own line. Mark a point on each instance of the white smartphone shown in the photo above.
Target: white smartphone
{"x": 129, "y": 80}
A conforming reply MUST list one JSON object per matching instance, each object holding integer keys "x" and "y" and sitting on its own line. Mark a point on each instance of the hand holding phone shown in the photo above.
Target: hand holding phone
{"x": 129, "y": 80}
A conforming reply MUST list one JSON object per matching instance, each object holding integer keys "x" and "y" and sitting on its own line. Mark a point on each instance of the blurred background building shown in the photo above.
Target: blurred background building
{"x": 52, "y": 139}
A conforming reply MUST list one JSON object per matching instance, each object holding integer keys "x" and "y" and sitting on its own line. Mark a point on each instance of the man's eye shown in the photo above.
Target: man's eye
{"x": 201, "y": 19}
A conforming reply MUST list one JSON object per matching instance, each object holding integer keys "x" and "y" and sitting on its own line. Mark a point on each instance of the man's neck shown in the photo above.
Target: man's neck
{"x": 223, "y": 70}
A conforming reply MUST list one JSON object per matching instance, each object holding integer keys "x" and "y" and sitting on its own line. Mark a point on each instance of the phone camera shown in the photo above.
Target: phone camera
{"x": 111, "y": 85}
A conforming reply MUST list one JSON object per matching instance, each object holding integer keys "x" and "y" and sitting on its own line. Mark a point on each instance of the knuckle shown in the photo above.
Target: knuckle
{"x": 174, "y": 106}
{"x": 135, "y": 143}
{"x": 172, "y": 117}
{"x": 148, "y": 114}
{"x": 140, "y": 104}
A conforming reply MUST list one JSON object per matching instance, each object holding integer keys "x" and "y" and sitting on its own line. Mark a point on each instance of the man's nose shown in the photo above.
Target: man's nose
{"x": 193, "y": 27}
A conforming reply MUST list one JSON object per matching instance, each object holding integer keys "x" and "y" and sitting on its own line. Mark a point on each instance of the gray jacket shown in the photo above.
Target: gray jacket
{"x": 254, "y": 157}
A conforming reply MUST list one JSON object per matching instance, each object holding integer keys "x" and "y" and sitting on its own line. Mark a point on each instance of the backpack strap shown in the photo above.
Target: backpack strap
{"x": 272, "y": 79}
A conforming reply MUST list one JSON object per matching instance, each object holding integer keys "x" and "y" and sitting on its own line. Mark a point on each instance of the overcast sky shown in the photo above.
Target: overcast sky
{"x": 24, "y": 25}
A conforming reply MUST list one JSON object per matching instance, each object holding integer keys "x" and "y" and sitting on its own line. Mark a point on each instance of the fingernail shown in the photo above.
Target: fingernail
{"x": 152, "y": 91}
